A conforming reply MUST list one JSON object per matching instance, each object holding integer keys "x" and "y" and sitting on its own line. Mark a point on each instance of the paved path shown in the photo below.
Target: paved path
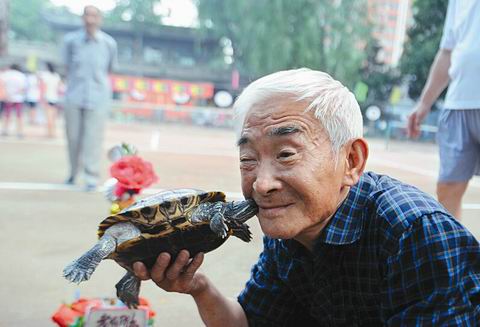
{"x": 45, "y": 224}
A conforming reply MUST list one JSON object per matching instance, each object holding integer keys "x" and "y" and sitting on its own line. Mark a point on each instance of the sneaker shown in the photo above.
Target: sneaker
{"x": 70, "y": 180}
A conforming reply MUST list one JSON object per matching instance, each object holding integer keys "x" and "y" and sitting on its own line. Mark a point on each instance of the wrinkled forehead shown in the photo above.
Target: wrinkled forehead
{"x": 261, "y": 107}
{"x": 273, "y": 119}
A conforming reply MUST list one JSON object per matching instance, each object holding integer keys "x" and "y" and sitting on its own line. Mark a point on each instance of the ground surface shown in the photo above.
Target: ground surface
{"x": 45, "y": 225}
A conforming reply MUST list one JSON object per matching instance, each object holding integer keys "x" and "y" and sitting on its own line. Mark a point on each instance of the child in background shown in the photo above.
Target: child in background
{"x": 15, "y": 83}
{"x": 32, "y": 96}
{"x": 51, "y": 85}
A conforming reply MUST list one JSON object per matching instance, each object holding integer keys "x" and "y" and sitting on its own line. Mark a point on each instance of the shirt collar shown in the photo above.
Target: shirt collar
{"x": 96, "y": 37}
{"x": 346, "y": 225}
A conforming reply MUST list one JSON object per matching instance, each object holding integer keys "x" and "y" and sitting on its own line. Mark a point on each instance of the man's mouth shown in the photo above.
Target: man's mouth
{"x": 271, "y": 211}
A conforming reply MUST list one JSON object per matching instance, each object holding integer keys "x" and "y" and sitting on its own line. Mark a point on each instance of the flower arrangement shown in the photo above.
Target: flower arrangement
{"x": 130, "y": 174}
{"x": 76, "y": 313}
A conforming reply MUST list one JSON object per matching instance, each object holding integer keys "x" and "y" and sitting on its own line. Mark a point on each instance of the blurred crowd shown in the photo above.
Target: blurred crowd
{"x": 34, "y": 96}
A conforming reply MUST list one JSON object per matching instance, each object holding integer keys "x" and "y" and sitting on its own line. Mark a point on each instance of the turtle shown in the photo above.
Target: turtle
{"x": 168, "y": 221}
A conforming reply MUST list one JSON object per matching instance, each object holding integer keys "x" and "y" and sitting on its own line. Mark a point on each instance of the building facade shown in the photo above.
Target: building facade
{"x": 391, "y": 19}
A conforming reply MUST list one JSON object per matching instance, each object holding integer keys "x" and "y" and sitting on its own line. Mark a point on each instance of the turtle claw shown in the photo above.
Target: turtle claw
{"x": 128, "y": 289}
{"x": 130, "y": 302}
{"x": 75, "y": 274}
{"x": 218, "y": 226}
{"x": 82, "y": 268}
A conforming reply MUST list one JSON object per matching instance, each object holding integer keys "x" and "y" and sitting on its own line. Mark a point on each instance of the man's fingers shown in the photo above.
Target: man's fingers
{"x": 141, "y": 271}
{"x": 416, "y": 127}
{"x": 194, "y": 265}
{"x": 179, "y": 265}
{"x": 158, "y": 270}
{"x": 161, "y": 270}
{"x": 412, "y": 124}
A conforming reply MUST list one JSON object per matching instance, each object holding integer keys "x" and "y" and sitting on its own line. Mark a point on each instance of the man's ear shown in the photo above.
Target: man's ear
{"x": 356, "y": 152}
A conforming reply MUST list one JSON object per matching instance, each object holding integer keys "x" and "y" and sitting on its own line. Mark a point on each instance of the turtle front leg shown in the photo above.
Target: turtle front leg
{"x": 213, "y": 213}
{"x": 217, "y": 222}
{"x": 128, "y": 289}
{"x": 82, "y": 268}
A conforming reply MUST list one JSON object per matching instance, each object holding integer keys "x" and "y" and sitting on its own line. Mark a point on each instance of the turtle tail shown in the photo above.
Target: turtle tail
{"x": 242, "y": 231}
{"x": 82, "y": 268}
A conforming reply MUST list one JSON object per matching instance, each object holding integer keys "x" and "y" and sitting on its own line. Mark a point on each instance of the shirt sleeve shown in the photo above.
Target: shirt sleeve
{"x": 448, "y": 37}
{"x": 266, "y": 299}
{"x": 113, "y": 56}
{"x": 434, "y": 279}
{"x": 66, "y": 52}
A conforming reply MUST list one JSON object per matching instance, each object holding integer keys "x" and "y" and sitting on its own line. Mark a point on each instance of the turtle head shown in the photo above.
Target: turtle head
{"x": 241, "y": 211}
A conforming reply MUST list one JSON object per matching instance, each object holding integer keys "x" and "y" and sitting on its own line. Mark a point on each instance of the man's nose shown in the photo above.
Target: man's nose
{"x": 266, "y": 181}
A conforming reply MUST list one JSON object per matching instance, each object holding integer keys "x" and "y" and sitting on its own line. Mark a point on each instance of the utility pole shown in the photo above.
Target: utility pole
{"x": 4, "y": 11}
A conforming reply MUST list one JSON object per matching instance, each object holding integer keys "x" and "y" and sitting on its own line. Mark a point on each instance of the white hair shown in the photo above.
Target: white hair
{"x": 334, "y": 105}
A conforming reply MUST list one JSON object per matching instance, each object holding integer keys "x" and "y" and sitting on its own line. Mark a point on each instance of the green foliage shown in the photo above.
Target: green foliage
{"x": 424, "y": 37}
{"x": 271, "y": 35}
{"x": 26, "y": 20}
{"x": 139, "y": 12}
{"x": 379, "y": 77}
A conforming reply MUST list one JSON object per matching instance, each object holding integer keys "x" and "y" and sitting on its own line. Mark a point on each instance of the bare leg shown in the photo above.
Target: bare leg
{"x": 32, "y": 114}
{"x": 6, "y": 117}
{"x": 6, "y": 120}
{"x": 19, "y": 120}
{"x": 450, "y": 195}
{"x": 51, "y": 117}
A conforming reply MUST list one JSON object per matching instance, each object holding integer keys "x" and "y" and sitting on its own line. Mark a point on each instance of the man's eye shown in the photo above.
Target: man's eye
{"x": 285, "y": 154}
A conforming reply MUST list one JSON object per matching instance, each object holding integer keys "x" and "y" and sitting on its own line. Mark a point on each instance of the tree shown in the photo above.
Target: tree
{"x": 379, "y": 77}
{"x": 26, "y": 20}
{"x": 423, "y": 41}
{"x": 270, "y": 35}
{"x": 4, "y": 5}
{"x": 138, "y": 12}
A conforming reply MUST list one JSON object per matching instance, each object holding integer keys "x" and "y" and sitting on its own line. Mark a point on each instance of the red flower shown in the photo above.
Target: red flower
{"x": 133, "y": 173}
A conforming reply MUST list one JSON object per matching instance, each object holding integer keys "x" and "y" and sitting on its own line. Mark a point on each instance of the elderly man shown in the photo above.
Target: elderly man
{"x": 89, "y": 56}
{"x": 341, "y": 247}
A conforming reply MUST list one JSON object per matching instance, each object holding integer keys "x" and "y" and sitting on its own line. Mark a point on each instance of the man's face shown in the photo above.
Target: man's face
{"x": 92, "y": 18}
{"x": 288, "y": 167}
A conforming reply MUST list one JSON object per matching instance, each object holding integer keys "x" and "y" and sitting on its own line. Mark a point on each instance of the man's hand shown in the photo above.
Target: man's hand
{"x": 415, "y": 119}
{"x": 437, "y": 81}
{"x": 180, "y": 276}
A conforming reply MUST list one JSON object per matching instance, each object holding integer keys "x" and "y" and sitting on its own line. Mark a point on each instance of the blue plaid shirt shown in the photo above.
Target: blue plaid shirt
{"x": 391, "y": 256}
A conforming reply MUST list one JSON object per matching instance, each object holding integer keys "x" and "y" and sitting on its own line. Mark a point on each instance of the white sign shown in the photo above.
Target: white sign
{"x": 116, "y": 318}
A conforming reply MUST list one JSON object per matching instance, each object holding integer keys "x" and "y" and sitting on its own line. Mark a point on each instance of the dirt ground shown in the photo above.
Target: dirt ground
{"x": 45, "y": 224}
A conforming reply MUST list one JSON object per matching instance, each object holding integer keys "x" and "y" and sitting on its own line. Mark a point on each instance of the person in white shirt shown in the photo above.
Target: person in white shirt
{"x": 51, "y": 85}
{"x": 14, "y": 83}
{"x": 456, "y": 65}
{"x": 32, "y": 96}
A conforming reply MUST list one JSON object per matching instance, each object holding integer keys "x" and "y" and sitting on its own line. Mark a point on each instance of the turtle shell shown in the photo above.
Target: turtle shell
{"x": 164, "y": 222}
